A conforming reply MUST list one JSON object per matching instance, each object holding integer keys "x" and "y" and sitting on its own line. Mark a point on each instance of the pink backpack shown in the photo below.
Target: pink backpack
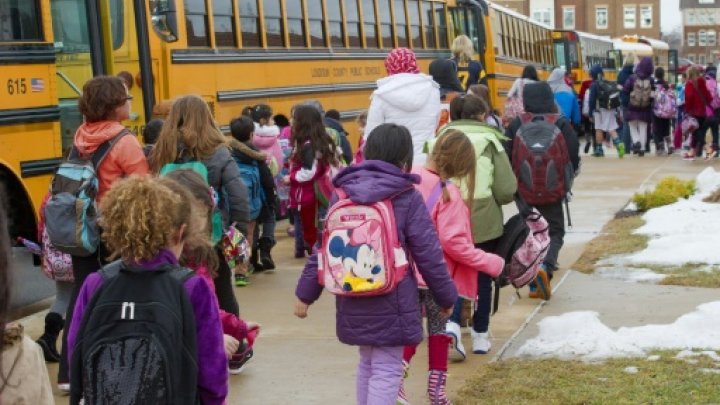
{"x": 711, "y": 85}
{"x": 514, "y": 105}
{"x": 361, "y": 254}
{"x": 664, "y": 103}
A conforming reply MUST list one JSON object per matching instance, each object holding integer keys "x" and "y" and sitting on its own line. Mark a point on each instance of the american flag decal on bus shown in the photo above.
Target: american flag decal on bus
{"x": 37, "y": 85}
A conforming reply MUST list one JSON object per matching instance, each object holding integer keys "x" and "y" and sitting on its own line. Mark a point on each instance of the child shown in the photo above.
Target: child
{"x": 314, "y": 152}
{"x": 266, "y": 140}
{"x": 261, "y": 187}
{"x": 602, "y": 116}
{"x": 381, "y": 325}
{"x": 198, "y": 254}
{"x": 148, "y": 238}
{"x": 492, "y": 118}
{"x": 453, "y": 156}
{"x": 151, "y": 132}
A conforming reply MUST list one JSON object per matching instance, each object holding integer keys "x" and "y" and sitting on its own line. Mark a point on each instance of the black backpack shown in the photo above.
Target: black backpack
{"x": 608, "y": 95}
{"x": 136, "y": 343}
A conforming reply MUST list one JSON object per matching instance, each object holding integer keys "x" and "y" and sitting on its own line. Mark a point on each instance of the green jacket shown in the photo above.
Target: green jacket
{"x": 495, "y": 182}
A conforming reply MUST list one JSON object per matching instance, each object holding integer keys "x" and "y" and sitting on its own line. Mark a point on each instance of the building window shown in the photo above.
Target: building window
{"x": 701, "y": 59}
{"x": 691, "y": 57}
{"x": 702, "y": 38}
{"x": 629, "y": 20}
{"x": 569, "y": 18}
{"x": 601, "y": 18}
{"x": 542, "y": 15}
{"x": 646, "y": 16}
{"x": 711, "y": 38}
{"x": 691, "y": 17}
{"x": 691, "y": 39}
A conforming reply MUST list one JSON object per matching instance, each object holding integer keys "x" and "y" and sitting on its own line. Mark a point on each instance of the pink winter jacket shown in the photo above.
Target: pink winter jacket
{"x": 452, "y": 221}
{"x": 266, "y": 139}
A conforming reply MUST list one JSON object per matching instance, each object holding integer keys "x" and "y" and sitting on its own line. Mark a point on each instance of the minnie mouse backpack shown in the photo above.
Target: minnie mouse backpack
{"x": 361, "y": 254}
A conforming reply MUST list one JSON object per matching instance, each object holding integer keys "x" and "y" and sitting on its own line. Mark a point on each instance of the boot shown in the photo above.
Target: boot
{"x": 669, "y": 145}
{"x": 660, "y": 149}
{"x": 599, "y": 151}
{"x": 53, "y": 325}
{"x": 402, "y": 398}
{"x": 256, "y": 266}
{"x": 620, "y": 146}
{"x": 438, "y": 360}
{"x": 266, "y": 244}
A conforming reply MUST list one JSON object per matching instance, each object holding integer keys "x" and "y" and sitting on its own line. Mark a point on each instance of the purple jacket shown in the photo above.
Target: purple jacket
{"x": 212, "y": 363}
{"x": 392, "y": 319}
{"x": 644, "y": 70}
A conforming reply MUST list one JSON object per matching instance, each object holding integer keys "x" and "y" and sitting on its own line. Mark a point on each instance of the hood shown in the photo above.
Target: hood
{"x": 408, "y": 92}
{"x": 596, "y": 71}
{"x": 334, "y": 124}
{"x": 444, "y": 72}
{"x": 90, "y": 136}
{"x": 644, "y": 69}
{"x": 538, "y": 98}
{"x": 264, "y": 142}
{"x": 374, "y": 180}
{"x": 557, "y": 81}
{"x": 245, "y": 149}
{"x": 627, "y": 69}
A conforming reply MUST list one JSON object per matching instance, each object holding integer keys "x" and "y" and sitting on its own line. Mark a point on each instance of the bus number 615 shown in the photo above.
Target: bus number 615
{"x": 16, "y": 86}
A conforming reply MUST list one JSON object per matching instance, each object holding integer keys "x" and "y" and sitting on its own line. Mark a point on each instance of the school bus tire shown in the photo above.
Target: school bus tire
{"x": 19, "y": 208}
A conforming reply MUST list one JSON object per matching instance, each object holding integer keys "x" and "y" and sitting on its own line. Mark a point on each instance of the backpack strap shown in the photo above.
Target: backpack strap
{"x": 102, "y": 151}
{"x": 111, "y": 270}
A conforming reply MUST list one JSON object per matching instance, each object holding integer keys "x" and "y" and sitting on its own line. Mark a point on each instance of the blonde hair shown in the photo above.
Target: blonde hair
{"x": 693, "y": 73}
{"x": 454, "y": 157}
{"x": 136, "y": 230}
{"x": 630, "y": 59}
{"x": 190, "y": 124}
{"x": 462, "y": 48}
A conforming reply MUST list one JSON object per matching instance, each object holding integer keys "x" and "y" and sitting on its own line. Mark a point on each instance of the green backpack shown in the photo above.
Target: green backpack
{"x": 199, "y": 168}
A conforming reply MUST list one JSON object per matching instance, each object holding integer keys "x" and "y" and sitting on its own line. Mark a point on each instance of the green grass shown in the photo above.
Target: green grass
{"x": 666, "y": 381}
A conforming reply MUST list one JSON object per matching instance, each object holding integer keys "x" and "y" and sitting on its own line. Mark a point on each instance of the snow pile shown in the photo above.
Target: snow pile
{"x": 582, "y": 335}
{"x": 683, "y": 232}
{"x": 631, "y": 275}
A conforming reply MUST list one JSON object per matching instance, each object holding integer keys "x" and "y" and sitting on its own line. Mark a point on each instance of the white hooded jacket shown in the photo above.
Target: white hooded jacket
{"x": 408, "y": 99}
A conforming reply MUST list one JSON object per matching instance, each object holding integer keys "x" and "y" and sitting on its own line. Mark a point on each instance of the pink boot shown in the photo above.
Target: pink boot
{"x": 438, "y": 360}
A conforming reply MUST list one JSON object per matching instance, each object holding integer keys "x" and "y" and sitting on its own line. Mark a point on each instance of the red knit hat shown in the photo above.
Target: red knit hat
{"x": 401, "y": 60}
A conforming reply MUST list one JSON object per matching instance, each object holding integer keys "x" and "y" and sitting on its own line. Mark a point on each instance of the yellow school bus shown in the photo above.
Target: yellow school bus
{"x": 578, "y": 51}
{"x": 236, "y": 53}
{"x": 29, "y": 116}
{"x": 506, "y": 42}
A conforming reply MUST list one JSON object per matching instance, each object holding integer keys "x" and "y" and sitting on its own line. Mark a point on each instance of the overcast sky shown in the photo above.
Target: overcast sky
{"x": 670, "y": 15}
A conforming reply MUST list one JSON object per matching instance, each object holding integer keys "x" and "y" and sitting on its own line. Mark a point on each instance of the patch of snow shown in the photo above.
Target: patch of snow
{"x": 631, "y": 370}
{"x": 689, "y": 353}
{"x": 629, "y": 274}
{"x": 581, "y": 334}
{"x": 654, "y": 357}
{"x": 710, "y": 370}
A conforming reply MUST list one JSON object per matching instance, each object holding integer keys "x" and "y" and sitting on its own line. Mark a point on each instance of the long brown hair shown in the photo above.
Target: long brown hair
{"x": 190, "y": 128}
{"x": 454, "y": 158}
{"x": 307, "y": 126}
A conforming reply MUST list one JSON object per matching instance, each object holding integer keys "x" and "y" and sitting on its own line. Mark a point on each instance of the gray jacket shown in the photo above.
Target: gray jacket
{"x": 224, "y": 177}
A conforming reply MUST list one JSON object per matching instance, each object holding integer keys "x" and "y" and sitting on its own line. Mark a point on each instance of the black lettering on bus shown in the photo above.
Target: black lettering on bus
{"x": 320, "y": 72}
{"x": 372, "y": 70}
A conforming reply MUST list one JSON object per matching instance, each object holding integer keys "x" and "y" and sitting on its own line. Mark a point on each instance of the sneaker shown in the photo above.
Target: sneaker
{"x": 64, "y": 388}
{"x": 598, "y": 152}
{"x": 239, "y": 360}
{"x": 241, "y": 280}
{"x": 688, "y": 156}
{"x": 533, "y": 290}
{"x": 543, "y": 284}
{"x": 457, "y": 350}
{"x": 620, "y": 148}
{"x": 710, "y": 153}
{"x": 481, "y": 342}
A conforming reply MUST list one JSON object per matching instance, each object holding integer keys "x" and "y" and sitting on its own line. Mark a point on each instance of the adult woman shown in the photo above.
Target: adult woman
{"x": 468, "y": 70}
{"x": 406, "y": 97}
{"x": 104, "y": 104}
{"x": 697, "y": 105}
{"x": 190, "y": 134}
{"x": 639, "y": 88}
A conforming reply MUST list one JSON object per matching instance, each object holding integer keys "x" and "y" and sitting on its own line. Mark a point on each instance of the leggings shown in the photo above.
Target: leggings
{"x": 63, "y": 294}
{"x": 435, "y": 320}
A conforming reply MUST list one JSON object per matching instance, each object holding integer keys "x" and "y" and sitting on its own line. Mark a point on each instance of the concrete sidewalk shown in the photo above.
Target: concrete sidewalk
{"x": 301, "y": 361}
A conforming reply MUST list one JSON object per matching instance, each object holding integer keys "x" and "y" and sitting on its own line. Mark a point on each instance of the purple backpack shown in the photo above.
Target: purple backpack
{"x": 664, "y": 103}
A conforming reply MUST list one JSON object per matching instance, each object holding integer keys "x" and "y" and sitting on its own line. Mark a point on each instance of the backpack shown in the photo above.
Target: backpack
{"x": 664, "y": 103}
{"x": 514, "y": 105}
{"x": 250, "y": 175}
{"x": 711, "y": 85}
{"x": 641, "y": 94}
{"x": 541, "y": 161}
{"x": 200, "y": 168}
{"x": 523, "y": 245}
{"x": 608, "y": 95}
{"x": 137, "y": 340}
{"x": 361, "y": 254}
{"x": 323, "y": 185}
{"x": 71, "y": 213}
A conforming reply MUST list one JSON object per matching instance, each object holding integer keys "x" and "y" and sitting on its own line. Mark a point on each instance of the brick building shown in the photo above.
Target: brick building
{"x": 521, "y": 6}
{"x": 613, "y": 18}
{"x": 700, "y": 30}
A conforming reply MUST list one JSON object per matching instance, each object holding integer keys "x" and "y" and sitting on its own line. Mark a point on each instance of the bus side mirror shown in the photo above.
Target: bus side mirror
{"x": 164, "y": 20}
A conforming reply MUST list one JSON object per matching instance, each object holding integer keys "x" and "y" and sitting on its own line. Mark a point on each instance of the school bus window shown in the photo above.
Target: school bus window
{"x": 472, "y": 30}
{"x": 386, "y": 27}
{"x": 442, "y": 25}
{"x": 70, "y": 24}
{"x": 335, "y": 23}
{"x": 224, "y": 23}
{"x": 511, "y": 35}
{"x": 249, "y": 23}
{"x": 428, "y": 26}
{"x": 401, "y": 23}
{"x": 315, "y": 19}
{"x": 273, "y": 23}
{"x": 353, "y": 24}
{"x": 196, "y": 23}
{"x": 295, "y": 23}
{"x": 497, "y": 38}
{"x": 369, "y": 20}
{"x": 414, "y": 14}
{"x": 20, "y": 21}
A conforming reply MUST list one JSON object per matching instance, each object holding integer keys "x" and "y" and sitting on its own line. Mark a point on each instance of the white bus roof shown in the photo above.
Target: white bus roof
{"x": 656, "y": 43}
{"x": 594, "y": 37}
{"x": 517, "y": 15}
{"x": 638, "y": 48}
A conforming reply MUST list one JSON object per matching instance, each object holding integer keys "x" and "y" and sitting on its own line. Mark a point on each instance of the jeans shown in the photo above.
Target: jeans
{"x": 625, "y": 133}
{"x": 379, "y": 374}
